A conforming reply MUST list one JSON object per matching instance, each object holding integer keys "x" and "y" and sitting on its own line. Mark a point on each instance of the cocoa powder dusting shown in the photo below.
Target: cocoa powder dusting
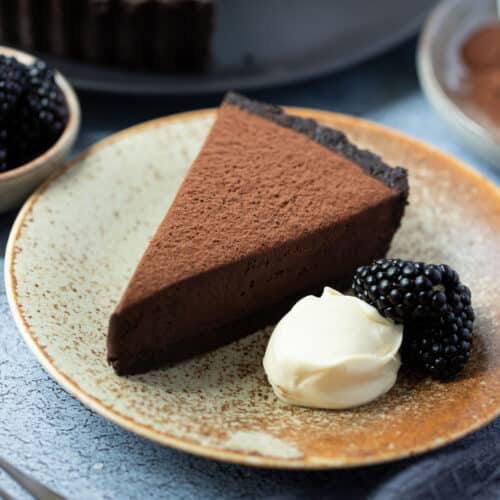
{"x": 481, "y": 54}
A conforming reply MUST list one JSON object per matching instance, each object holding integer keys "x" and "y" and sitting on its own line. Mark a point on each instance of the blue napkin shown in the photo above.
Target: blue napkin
{"x": 469, "y": 469}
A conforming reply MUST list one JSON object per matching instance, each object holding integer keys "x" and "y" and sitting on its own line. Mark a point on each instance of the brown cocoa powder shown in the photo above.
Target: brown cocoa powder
{"x": 481, "y": 55}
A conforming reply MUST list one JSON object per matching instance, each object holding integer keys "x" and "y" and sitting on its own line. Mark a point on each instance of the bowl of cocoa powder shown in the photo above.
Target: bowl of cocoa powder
{"x": 458, "y": 63}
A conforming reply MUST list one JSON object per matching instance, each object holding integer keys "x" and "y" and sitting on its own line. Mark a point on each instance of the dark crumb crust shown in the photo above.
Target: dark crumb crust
{"x": 394, "y": 177}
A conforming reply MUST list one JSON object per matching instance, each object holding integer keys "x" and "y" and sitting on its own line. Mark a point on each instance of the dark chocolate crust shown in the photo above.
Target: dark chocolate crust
{"x": 394, "y": 177}
{"x": 168, "y": 35}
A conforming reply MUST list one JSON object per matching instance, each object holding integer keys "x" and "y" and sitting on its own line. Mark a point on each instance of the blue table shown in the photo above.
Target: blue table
{"x": 49, "y": 434}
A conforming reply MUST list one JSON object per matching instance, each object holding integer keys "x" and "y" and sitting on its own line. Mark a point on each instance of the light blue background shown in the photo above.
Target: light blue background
{"x": 49, "y": 434}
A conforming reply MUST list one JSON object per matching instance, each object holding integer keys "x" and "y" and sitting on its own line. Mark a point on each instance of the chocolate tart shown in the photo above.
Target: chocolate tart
{"x": 170, "y": 35}
{"x": 274, "y": 207}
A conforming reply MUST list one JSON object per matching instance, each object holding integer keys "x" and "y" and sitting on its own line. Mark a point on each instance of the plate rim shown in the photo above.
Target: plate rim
{"x": 187, "y": 444}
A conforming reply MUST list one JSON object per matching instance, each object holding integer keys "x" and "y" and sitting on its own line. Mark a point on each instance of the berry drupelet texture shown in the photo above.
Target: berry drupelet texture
{"x": 35, "y": 117}
{"x": 45, "y": 100}
{"x": 403, "y": 290}
{"x": 439, "y": 348}
{"x": 431, "y": 302}
{"x": 4, "y": 160}
{"x": 39, "y": 72}
{"x": 13, "y": 79}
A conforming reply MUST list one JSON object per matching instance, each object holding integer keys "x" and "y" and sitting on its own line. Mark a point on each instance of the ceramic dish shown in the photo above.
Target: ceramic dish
{"x": 18, "y": 183}
{"x": 441, "y": 72}
{"x": 79, "y": 237}
{"x": 260, "y": 51}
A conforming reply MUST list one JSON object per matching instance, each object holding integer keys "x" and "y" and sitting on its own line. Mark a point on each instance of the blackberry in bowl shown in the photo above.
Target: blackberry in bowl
{"x": 39, "y": 122}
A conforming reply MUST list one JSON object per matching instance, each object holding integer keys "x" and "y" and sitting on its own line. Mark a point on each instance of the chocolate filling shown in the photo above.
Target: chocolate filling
{"x": 266, "y": 214}
{"x": 394, "y": 177}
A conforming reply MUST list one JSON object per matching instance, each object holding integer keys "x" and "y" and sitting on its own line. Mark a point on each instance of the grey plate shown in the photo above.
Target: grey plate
{"x": 272, "y": 42}
{"x": 441, "y": 72}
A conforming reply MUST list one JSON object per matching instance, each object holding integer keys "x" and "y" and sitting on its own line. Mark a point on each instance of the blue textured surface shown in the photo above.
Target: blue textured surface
{"x": 52, "y": 436}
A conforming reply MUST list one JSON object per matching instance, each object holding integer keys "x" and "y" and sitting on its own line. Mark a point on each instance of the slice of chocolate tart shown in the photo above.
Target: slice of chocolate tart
{"x": 274, "y": 207}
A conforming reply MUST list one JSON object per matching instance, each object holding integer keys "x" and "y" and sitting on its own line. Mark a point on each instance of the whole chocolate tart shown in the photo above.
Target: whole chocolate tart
{"x": 274, "y": 207}
{"x": 170, "y": 35}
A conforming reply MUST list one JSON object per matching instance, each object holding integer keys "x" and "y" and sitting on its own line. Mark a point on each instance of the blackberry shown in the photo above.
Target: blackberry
{"x": 13, "y": 80}
{"x": 403, "y": 290}
{"x": 39, "y": 72}
{"x": 25, "y": 139}
{"x": 45, "y": 101}
{"x": 47, "y": 105}
{"x": 4, "y": 152}
{"x": 433, "y": 347}
{"x": 40, "y": 117}
{"x": 431, "y": 302}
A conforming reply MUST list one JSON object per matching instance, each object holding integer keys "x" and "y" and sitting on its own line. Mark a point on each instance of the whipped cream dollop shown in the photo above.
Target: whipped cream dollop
{"x": 333, "y": 351}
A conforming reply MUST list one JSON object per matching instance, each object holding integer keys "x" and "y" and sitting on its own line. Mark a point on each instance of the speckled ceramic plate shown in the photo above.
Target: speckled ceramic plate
{"x": 77, "y": 240}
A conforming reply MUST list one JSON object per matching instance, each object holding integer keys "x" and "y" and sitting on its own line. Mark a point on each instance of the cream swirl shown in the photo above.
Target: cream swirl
{"x": 333, "y": 351}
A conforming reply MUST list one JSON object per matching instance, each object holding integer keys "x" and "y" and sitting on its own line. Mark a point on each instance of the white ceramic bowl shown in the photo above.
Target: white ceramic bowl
{"x": 18, "y": 183}
{"x": 441, "y": 70}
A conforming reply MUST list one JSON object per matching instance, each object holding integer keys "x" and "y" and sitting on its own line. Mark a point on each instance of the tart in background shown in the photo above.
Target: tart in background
{"x": 169, "y": 35}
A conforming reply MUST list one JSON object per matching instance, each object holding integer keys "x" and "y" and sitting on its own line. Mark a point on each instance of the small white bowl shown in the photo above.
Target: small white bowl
{"x": 18, "y": 183}
{"x": 441, "y": 72}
